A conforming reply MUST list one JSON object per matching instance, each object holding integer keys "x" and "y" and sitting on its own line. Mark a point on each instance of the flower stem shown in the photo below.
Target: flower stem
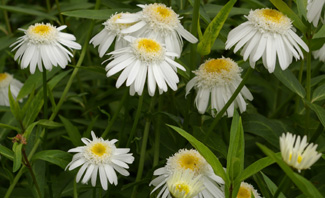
{"x": 135, "y": 123}
{"x": 45, "y": 93}
{"x": 194, "y": 28}
{"x": 5, "y": 13}
{"x": 143, "y": 149}
{"x": 110, "y": 124}
{"x": 59, "y": 11}
{"x": 30, "y": 168}
{"x": 308, "y": 90}
{"x": 232, "y": 98}
{"x": 157, "y": 133}
{"x": 75, "y": 191}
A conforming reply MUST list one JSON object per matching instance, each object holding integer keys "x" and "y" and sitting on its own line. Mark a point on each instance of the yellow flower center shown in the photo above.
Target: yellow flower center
{"x": 163, "y": 12}
{"x": 99, "y": 149}
{"x": 189, "y": 161}
{"x": 243, "y": 193}
{"x": 149, "y": 46}
{"x": 217, "y": 65}
{"x": 299, "y": 159}
{"x": 272, "y": 15}
{"x": 183, "y": 187}
{"x": 3, "y": 76}
{"x": 41, "y": 29}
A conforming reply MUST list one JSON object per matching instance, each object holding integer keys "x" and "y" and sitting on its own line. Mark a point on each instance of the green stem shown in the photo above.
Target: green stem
{"x": 143, "y": 150}
{"x": 48, "y": 5}
{"x": 110, "y": 124}
{"x": 232, "y": 98}
{"x": 301, "y": 71}
{"x": 135, "y": 123}
{"x": 59, "y": 10}
{"x": 94, "y": 192}
{"x": 56, "y": 110}
{"x": 5, "y": 13}
{"x": 308, "y": 90}
{"x": 30, "y": 168}
{"x": 75, "y": 190}
{"x": 284, "y": 184}
{"x": 195, "y": 19}
{"x": 157, "y": 134}
{"x": 45, "y": 93}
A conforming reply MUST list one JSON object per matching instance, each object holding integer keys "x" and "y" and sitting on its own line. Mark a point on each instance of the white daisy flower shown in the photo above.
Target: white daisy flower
{"x": 320, "y": 54}
{"x": 189, "y": 160}
{"x": 43, "y": 44}
{"x": 314, "y": 11}
{"x": 246, "y": 191}
{"x": 144, "y": 57}
{"x": 111, "y": 31}
{"x": 7, "y": 80}
{"x": 184, "y": 184}
{"x": 218, "y": 78}
{"x": 159, "y": 22}
{"x": 268, "y": 34}
{"x": 298, "y": 153}
{"x": 99, "y": 155}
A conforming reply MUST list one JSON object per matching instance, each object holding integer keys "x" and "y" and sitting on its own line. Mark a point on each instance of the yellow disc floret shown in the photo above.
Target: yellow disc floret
{"x": 42, "y": 33}
{"x": 244, "y": 192}
{"x": 217, "y": 65}
{"x": 3, "y": 76}
{"x": 272, "y": 15}
{"x": 183, "y": 187}
{"x": 41, "y": 29}
{"x": 149, "y": 46}
{"x": 159, "y": 16}
{"x": 148, "y": 50}
{"x": 99, "y": 149}
{"x": 189, "y": 161}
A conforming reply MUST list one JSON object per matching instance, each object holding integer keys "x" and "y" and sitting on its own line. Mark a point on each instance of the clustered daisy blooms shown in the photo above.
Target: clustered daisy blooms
{"x": 320, "y": 54}
{"x": 246, "y": 191}
{"x": 100, "y": 156}
{"x": 314, "y": 11}
{"x": 218, "y": 79}
{"x": 268, "y": 34}
{"x": 160, "y": 22}
{"x": 297, "y": 153}
{"x": 188, "y": 160}
{"x": 144, "y": 57}
{"x": 184, "y": 184}
{"x": 7, "y": 80}
{"x": 111, "y": 31}
{"x": 44, "y": 44}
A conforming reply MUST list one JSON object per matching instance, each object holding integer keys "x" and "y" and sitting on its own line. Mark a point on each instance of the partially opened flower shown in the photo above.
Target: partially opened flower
{"x": 296, "y": 152}
{"x": 100, "y": 156}
{"x": 213, "y": 185}
{"x": 314, "y": 11}
{"x": 184, "y": 184}
{"x": 159, "y": 22}
{"x": 44, "y": 44}
{"x": 268, "y": 34}
{"x": 246, "y": 191}
{"x": 7, "y": 80}
{"x": 218, "y": 79}
{"x": 111, "y": 31}
{"x": 144, "y": 57}
{"x": 320, "y": 54}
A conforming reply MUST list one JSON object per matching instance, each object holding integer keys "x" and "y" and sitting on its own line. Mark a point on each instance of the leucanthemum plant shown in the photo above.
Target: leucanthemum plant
{"x": 159, "y": 22}
{"x": 143, "y": 59}
{"x": 184, "y": 184}
{"x": 268, "y": 34}
{"x": 111, "y": 31}
{"x": 297, "y": 153}
{"x": 100, "y": 156}
{"x": 314, "y": 11}
{"x": 246, "y": 190}
{"x": 218, "y": 79}
{"x": 320, "y": 54}
{"x": 7, "y": 80}
{"x": 44, "y": 44}
{"x": 188, "y": 160}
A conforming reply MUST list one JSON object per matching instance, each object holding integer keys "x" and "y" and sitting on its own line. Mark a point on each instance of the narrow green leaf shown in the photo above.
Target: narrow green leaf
{"x": 213, "y": 29}
{"x": 320, "y": 33}
{"x": 49, "y": 124}
{"x": 303, "y": 184}
{"x": 205, "y": 152}
{"x": 94, "y": 14}
{"x": 6, "y": 126}
{"x": 284, "y": 8}
{"x": 319, "y": 93}
{"x": 290, "y": 81}
{"x": 27, "y": 11}
{"x": 302, "y": 7}
{"x": 4, "y": 151}
{"x": 235, "y": 158}
{"x": 14, "y": 106}
{"x": 320, "y": 111}
{"x": 17, "y": 156}
{"x": 72, "y": 131}
{"x": 34, "y": 108}
{"x": 29, "y": 130}
{"x": 57, "y": 78}
{"x": 271, "y": 186}
{"x": 56, "y": 157}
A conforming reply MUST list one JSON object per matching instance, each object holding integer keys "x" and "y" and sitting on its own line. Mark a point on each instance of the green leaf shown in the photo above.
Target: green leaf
{"x": 302, "y": 7}
{"x": 256, "y": 167}
{"x": 49, "y": 124}
{"x": 6, "y": 126}
{"x": 272, "y": 187}
{"x": 4, "y": 151}
{"x": 14, "y": 106}
{"x": 284, "y": 8}
{"x": 303, "y": 184}
{"x": 72, "y": 131}
{"x": 235, "y": 158}
{"x": 205, "y": 152}
{"x": 319, "y": 93}
{"x": 213, "y": 29}
{"x": 27, "y": 11}
{"x": 289, "y": 80}
{"x": 34, "y": 108}
{"x": 56, "y": 157}
{"x": 94, "y": 14}
{"x": 320, "y": 33}
{"x": 17, "y": 156}
{"x": 320, "y": 111}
